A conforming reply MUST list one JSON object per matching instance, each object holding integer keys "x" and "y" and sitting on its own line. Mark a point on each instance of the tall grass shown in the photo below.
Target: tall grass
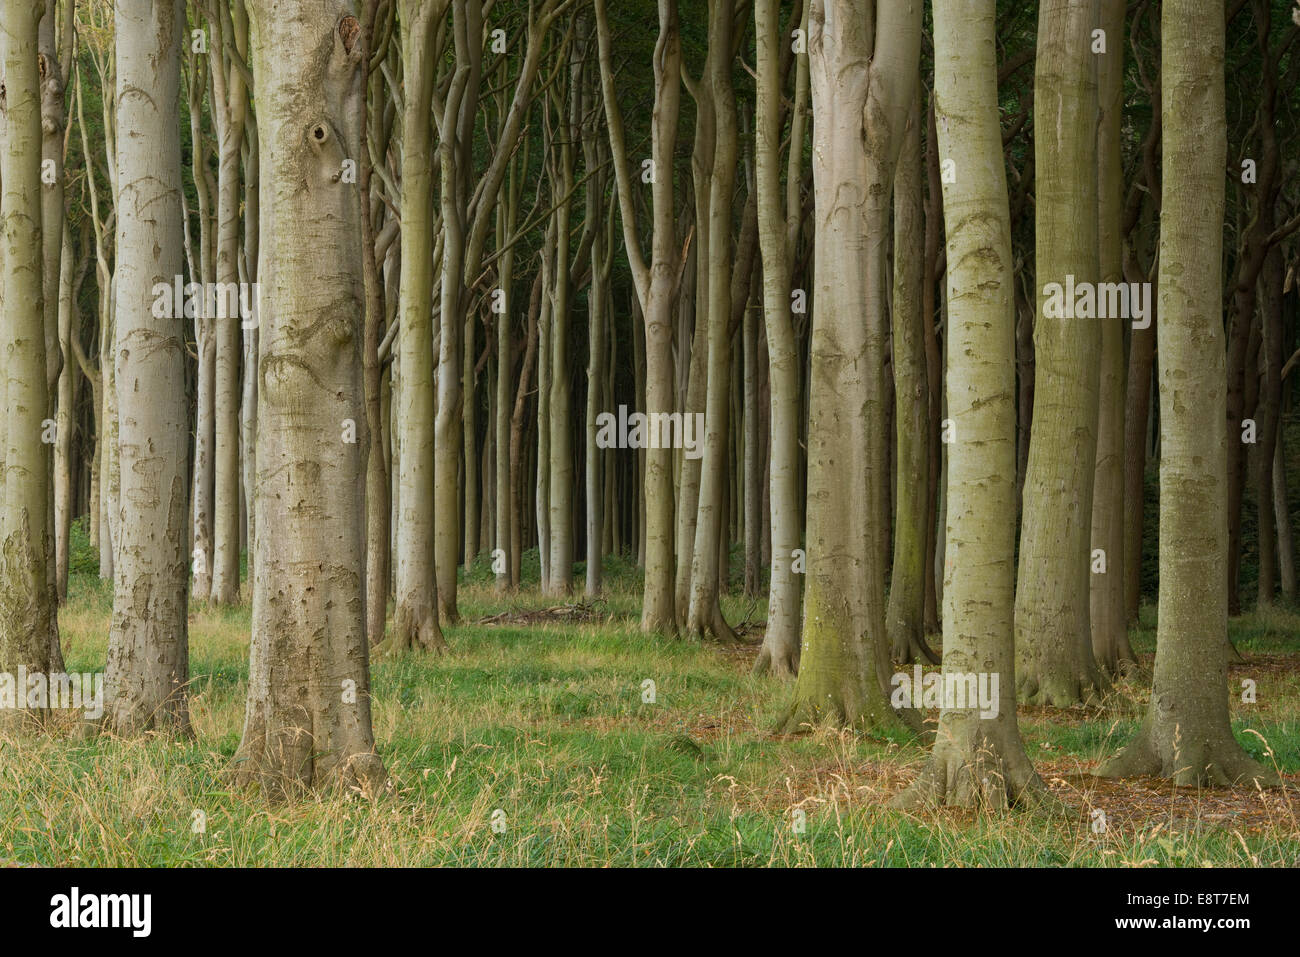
{"x": 546, "y": 722}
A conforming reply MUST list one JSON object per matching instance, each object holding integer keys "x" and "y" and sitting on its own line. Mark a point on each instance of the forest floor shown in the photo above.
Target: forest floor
{"x": 538, "y": 713}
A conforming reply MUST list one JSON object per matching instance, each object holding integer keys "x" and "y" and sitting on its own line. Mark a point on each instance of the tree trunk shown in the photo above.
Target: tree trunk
{"x": 860, "y": 102}
{"x": 461, "y": 102}
{"x": 1054, "y": 662}
{"x": 53, "y": 217}
{"x": 415, "y": 619}
{"x": 201, "y": 491}
{"x": 777, "y": 232}
{"x": 978, "y": 759}
{"x": 560, "y": 466}
{"x": 1186, "y": 734}
{"x": 1109, "y": 622}
{"x": 1268, "y": 418}
{"x": 705, "y": 612}
{"x": 307, "y": 722}
{"x": 28, "y": 630}
{"x": 230, "y": 107}
{"x": 905, "y": 613}
{"x": 66, "y": 422}
{"x": 517, "y": 461}
{"x": 248, "y": 394}
{"x": 507, "y": 223}
{"x": 1141, "y": 358}
{"x": 655, "y": 290}
{"x": 1285, "y": 534}
{"x": 148, "y": 644}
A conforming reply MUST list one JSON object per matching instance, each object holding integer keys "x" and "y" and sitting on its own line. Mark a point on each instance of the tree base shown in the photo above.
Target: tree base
{"x": 665, "y": 626}
{"x": 780, "y": 662}
{"x": 1060, "y": 690}
{"x": 711, "y": 624}
{"x": 414, "y": 630}
{"x": 849, "y": 708}
{"x": 982, "y": 769}
{"x": 1121, "y": 669}
{"x": 361, "y": 773}
{"x": 907, "y": 645}
{"x": 1189, "y": 759}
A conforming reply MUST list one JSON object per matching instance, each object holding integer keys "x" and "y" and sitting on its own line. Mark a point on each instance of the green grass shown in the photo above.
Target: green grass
{"x": 546, "y": 723}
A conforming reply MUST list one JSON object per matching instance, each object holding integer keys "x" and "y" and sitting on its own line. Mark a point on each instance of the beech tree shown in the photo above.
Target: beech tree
{"x": 778, "y": 230}
{"x": 1109, "y": 623}
{"x": 905, "y": 613}
{"x": 148, "y": 644}
{"x": 230, "y": 112}
{"x": 1054, "y": 662}
{"x": 1186, "y": 734}
{"x": 415, "y": 618}
{"x": 307, "y": 722}
{"x": 978, "y": 758}
{"x": 28, "y": 628}
{"x": 863, "y": 67}
{"x": 656, "y": 284}
{"x": 704, "y": 614}
{"x": 425, "y": 193}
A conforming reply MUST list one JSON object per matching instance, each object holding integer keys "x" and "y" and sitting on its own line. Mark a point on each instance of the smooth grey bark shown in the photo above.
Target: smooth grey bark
{"x": 307, "y": 722}
{"x": 778, "y": 230}
{"x": 656, "y": 285}
{"x": 979, "y": 759}
{"x": 148, "y": 644}
{"x": 28, "y": 629}
{"x": 905, "y": 612}
{"x": 864, "y": 70}
{"x": 415, "y": 616}
{"x": 1108, "y": 621}
{"x": 1054, "y": 660}
{"x": 1186, "y": 734}
{"x": 704, "y": 613}
{"x": 230, "y": 110}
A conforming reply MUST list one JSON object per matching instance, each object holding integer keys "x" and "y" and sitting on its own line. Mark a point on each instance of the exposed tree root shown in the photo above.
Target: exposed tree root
{"x": 414, "y": 630}
{"x": 1061, "y": 691}
{"x": 1189, "y": 760}
{"x": 908, "y": 645}
{"x": 778, "y": 662}
{"x": 977, "y": 770}
{"x": 848, "y": 707}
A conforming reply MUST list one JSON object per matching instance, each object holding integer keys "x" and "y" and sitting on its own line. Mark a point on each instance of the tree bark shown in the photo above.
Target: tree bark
{"x": 28, "y": 629}
{"x": 415, "y": 618}
{"x": 230, "y": 110}
{"x": 1268, "y": 418}
{"x": 27, "y": 624}
{"x": 307, "y": 722}
{"x": 1186, "y": 734}
{"x": 705, "y": 613}
{"x": 148, "y": 644}
{"x": 978, "y": 759}
{"x": 655, "y": 287}
{"x": 905, "y": 612}
{"x": 778, "y": 230}
{"x": 1054, "y": 662}
{"x": 864, "y": 72}
{"x": 1109, "y": 622}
